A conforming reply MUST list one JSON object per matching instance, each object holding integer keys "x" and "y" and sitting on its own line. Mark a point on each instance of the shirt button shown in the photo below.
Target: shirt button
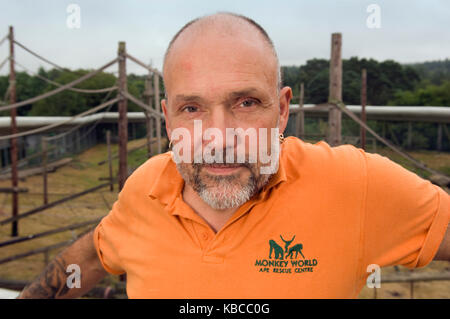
{"x": 205, "y": 236}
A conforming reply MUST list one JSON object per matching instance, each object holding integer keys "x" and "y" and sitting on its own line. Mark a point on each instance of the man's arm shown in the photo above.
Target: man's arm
{"x": 444, "y": 249}
{"x": 51, "y": 283}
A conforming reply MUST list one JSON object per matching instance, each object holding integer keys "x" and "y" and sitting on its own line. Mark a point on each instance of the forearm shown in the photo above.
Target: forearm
{"x": 52, "y": 282}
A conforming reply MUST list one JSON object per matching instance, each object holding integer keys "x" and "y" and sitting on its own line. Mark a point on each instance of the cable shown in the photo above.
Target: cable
{"x": 82, "y": 124}
{"x": 139, "y": 62}
{"x": 143, "y": 105}
{"x": 40, "y": 57}
{"x": 112, "y": 88}
{"x": 47, "y": 127}
{"x": 55, "y": 91}
{"x": 4, "y": 38}
{"x": 4, "y": 62}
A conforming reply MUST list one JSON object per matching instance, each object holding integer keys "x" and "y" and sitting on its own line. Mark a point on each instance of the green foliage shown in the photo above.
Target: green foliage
{"x": 435, "y": 72}
{"x": 383, "y": 79}
{"x": 431, "y": 95}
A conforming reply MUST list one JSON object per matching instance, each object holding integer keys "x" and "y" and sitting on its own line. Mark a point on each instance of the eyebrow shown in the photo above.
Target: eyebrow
{"x": 183, "y": 98}
{"x": 188, "y": 98}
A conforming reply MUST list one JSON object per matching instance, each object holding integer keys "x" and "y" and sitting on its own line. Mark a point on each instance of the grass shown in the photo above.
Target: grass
{"x": 83, "y": 172}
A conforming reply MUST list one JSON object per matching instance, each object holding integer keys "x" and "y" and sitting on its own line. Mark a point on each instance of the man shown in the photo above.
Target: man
{"x": 309, "y": 228}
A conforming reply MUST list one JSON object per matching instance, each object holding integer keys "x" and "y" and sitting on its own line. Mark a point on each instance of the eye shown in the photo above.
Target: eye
{"x": 248, "y": 103}
{"x": 189, "y": 109}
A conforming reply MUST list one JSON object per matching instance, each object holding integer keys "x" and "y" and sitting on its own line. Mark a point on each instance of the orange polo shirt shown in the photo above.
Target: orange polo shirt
{"x": 346, "y": 208}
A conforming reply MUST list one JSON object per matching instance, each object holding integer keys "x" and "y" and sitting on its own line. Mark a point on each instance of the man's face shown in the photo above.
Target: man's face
{"x": 225, "y": 82}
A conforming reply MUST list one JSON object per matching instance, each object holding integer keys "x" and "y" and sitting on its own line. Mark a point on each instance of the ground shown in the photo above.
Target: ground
{"x": 84, "y": 172}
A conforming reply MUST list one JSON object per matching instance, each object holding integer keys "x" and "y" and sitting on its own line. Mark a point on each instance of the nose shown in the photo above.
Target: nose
{"x": 218, "y": 122}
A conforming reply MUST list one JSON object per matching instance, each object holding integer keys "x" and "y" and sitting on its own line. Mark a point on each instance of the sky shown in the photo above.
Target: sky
{"x": 405, "y": 31}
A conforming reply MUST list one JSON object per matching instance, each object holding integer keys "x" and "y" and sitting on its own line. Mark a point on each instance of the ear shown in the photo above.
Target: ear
{"x": 164, "y": 109}
{"x": 285, "y": 100}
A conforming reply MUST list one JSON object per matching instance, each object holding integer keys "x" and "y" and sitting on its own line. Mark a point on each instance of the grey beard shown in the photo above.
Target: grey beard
{"x": 228, "y": 191}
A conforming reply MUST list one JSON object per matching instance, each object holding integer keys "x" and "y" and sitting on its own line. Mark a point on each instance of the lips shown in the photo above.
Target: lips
{"x": 223, "y": 165}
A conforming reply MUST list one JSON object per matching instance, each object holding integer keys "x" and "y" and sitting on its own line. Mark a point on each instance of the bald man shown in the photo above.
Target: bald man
{"x": 288, "y": 220}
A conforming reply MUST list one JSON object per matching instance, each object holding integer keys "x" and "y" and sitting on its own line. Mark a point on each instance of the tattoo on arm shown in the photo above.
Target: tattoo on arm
{"x": 51, "y": 283}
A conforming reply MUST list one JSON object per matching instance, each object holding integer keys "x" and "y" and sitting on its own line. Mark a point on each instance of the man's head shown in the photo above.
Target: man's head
{"x": 223, "y": 70}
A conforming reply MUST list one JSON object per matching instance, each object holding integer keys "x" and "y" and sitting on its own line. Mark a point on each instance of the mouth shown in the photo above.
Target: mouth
{"x": 223, "y": 169}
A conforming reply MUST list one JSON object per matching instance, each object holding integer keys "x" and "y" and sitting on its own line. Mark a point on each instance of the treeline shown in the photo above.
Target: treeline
{"x": 388, "y": 82}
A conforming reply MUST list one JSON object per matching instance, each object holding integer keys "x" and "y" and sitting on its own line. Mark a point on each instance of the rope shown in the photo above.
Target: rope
{"x": 40, "y": 57}
{"x": 47, "y": 127}
{"x": 4, "y": 38}
{"x": 4, "y": 62}
{"x": 50, "y": 138}
{"x": 143, "y": 105}
{"x": 112, "y": 88}
{"x": 355, "y": 118}
{"x": 61, "y": 88}
{"x": 135, "y": 60}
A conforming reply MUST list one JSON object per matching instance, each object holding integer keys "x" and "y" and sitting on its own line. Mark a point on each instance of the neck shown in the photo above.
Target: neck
{"x": 215, "y": 218}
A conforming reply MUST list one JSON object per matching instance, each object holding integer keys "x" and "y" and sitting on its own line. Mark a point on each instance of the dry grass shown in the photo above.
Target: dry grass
{"x": 84, "y": 173}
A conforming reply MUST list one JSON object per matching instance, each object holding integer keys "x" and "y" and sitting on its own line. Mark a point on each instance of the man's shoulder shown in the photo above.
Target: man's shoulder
{"x": 147, "y": 173}
{"x": 321, "y": 155}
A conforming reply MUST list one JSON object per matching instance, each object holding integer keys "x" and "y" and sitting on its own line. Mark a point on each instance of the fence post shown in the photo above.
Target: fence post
{"x": 123, "y": 121}
{"x": 363, "y": 107}
{"x": 12, "y": 100}
{"x": 439, "y": 137}
{"x": 335, "y": 115}
{"x": 300, "y": 116}
{"x": 148, "y": 118}
{"x": 108, "y": 143}
{"x": 409, "y": 141}
{"x": 44, "y": 168}
{"x": 157, "y": 108}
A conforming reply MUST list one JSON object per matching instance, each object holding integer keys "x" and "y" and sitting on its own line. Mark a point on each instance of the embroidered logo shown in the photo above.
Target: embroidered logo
{"x": 287, "y": 260}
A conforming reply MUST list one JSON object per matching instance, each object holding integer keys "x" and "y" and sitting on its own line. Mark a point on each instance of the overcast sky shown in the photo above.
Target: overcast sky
{"x": 410, "y": 31}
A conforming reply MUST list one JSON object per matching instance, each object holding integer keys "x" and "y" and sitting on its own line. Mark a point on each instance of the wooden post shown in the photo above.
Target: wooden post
{"x": 108, "y": 143}
{"x": 363, "y": 107}
{"x": 123, "y": 121}
{"x": 300, "y": 116}
{"x": 148, "y": 117}
{"x": 439, "y": 137}
{"x": 44, "y": 168}
{"x": 12, "y": 100}
{"x": 409, "y": 141}
{"x": 335, "y": 115}
{"x": 158, "y": 109}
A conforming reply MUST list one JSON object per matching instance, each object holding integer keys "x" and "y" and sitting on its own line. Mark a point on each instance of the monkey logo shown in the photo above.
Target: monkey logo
{"x": 279, "y": 253}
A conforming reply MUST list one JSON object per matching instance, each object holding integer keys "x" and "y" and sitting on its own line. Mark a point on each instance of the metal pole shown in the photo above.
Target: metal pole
{"x": 363, "y": 107}
{"x": 12, "y": 100}
{"x": 157, "y": 108}
{"x": 44, "y": 168}
{"x": 335, "y": 115}
{"x": 123, "y": 121}
{"x": 108, "y": 142}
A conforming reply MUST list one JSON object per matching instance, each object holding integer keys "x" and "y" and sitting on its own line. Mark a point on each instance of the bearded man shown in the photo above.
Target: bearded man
{"x": 214, "y": 226}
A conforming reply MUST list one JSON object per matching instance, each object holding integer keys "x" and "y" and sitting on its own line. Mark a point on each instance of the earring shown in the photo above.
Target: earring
{"x": 170, "y": 145}
{"x": 281, "y": 137}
